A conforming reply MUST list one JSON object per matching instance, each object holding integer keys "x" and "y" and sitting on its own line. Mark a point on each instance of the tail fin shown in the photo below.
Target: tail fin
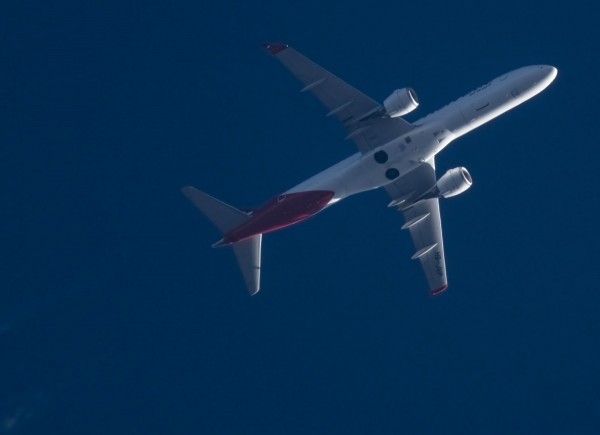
{"x": 226, "y": 217}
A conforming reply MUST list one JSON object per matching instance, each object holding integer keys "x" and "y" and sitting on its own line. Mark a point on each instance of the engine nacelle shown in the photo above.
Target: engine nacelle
{"x": 401, "y": 102}
{"x": 454, "y": 182}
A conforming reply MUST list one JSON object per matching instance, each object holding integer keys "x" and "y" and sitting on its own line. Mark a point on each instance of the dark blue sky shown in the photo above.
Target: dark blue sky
{"x": 116, "y": 316}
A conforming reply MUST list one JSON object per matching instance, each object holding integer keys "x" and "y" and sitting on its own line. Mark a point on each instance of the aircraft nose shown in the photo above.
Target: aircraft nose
{"x": 539, "y": 76}
{"x": 545, "y": 74}
{"x": 549, "y": 71}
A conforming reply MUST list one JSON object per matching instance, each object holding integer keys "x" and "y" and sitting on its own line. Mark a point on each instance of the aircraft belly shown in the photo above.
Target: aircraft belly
{"x": 367, "y": 175}
{"x": 360, "y": 173}
{"x": 282, "y": 211}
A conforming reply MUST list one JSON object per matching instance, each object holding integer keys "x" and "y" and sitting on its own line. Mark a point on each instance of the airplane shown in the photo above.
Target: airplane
{"x": 392, "y": 153}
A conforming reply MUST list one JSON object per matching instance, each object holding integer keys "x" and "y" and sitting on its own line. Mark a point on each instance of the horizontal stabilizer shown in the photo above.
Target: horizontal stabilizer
{"x": 247, "y": 253}
{"x": 224, "y": 216}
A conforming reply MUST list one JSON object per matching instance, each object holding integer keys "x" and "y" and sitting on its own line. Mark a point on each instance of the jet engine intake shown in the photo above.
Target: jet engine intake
{"x": 454, "y": 182}
{"x": 401, "y": 102}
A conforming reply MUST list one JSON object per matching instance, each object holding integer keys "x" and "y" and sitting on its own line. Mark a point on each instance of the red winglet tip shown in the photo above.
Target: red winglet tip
{"x": 274, "y": 48}
{"x": 439, "y": 291}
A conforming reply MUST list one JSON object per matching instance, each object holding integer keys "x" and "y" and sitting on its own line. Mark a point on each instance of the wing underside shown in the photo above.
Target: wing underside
{"x": 424, "y": 222}
{"x": 363, "y": 118}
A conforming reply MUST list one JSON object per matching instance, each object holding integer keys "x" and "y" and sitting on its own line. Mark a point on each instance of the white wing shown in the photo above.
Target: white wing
{"x": 361, "y": 115}
{"x": 424, "y": 222}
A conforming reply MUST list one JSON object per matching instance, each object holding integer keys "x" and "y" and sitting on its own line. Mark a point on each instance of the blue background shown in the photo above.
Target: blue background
{"x": 116, "y": 316}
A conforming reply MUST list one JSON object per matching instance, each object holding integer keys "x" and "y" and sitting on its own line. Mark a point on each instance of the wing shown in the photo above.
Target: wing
{"x": 363, "y": 117}
{"x": 423, "y": 221}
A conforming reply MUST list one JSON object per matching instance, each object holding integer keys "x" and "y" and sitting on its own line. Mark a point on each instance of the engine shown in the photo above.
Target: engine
{"x": 454, "y": 182}
{"x": 401, "y": 102}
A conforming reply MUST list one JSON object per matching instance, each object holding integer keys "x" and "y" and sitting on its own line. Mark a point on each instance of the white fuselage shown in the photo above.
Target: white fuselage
{"x": 361, "y": 172}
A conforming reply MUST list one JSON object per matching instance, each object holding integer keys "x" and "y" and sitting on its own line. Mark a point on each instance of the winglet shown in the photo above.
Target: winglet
{"x": 274, "y": 48}
{"x": 439, "y": 291}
